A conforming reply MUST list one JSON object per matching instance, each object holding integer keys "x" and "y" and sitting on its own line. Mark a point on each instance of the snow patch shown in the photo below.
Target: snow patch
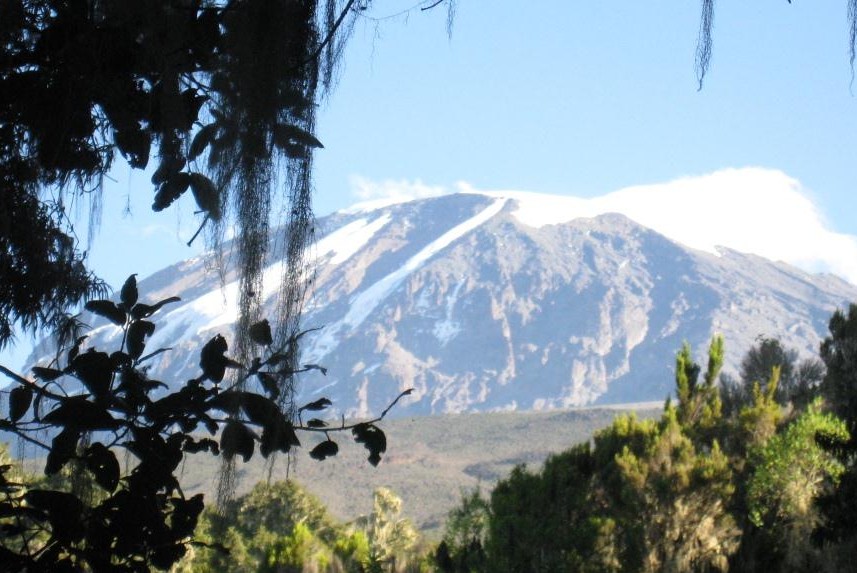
{"x": 447, "y": 329}
{"x": 364, "y": 303}
{"x": 344, "y": 242}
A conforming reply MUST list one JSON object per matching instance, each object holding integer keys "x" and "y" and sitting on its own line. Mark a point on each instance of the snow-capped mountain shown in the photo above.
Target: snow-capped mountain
{"x": 478, "y": 305}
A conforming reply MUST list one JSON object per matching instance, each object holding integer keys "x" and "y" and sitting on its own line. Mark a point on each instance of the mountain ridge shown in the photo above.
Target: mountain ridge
{"x": 476, "y": 310}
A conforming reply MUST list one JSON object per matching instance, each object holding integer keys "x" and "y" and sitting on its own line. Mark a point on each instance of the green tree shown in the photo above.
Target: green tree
{"x": 391, "y": 537}
{"x": 839, "y": 389}
{"x": 651, "y": 495}
{"x": 465, "y": 533}
{"x": 798, "y": 381}
{"x": 699, "y": 406}
{"x": 791, "y": 471}
{"x": 671, "y": 499}
{"x": 278, "y": 523}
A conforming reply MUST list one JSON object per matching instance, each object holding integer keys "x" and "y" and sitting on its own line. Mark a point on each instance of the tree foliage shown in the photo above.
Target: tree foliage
{"x": 94, "y": 405}
{"x": 791, "y": 471}
{"x": 798, "y": 381}
{"x": 697, "y": 490}
{"x": 281, "y": 527}
{"x": 218, "y": 95}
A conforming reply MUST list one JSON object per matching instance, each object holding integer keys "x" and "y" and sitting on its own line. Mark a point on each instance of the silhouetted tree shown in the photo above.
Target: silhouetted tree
{"x": 96, "y": 404}
{"x": 798, "y": 382}
{"x": 220, "y": 94}
{"x": 839, "y": 388}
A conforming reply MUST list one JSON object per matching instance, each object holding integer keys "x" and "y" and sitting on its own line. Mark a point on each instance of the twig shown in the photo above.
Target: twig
{"x": 343, "y": 426}
{"x": 330, "y": 34}
{"x": 198, "y": 231}
{"x": 29, "y": 383}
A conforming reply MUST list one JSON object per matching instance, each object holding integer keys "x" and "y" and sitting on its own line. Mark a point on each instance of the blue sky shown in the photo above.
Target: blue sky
{"x": 571, "y": 98}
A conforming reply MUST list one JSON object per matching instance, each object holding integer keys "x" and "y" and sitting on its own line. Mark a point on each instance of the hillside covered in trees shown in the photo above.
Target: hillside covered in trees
{"x": 749, "y": 475}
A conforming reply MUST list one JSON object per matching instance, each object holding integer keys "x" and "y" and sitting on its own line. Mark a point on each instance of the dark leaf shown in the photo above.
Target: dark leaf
{"x": 119, "y": 360}
{"x": 103, "y": 465}
{"x": 237, "y": 439}
{"x": 63, "y": 448}
{"x": 94, "y": 370}
{"x": 169, "y": 166}
{"x": 201, "y": 140}
{"x": 321, "y": 369}
{"x": 373, "y": 439}
{"x": 46, "y": 374}
{"x": 192, "y": 102}
{"x": 325, "y": 449}
{"x": 185, "y": 515}
{"x": 108, "y": 310}
{"x": 64, "y": 510}
{"x": 146, "y": 310}
{"x": 260, "y": 410}
{"x": 170, "y": 190}
{"x": 137, "y": 333}
{"x": 260, "y": 333}
{"x": 212, "y": 359}
{"x": 295, "y": 151}
{"x": 79, "y": 413}
{"x": 316, "y": 405}
{"x": 165, "y": 556}
{"x": 20, "y": 399}
{"x": 192, "y": 446}
{"x": 75, "y": 349}
{"x": 151, "y": 355}
{"x": 285, "y": 135}
{"x": 206, "y": 195}
{"x": 129, "y": 294}
{"x": 229, "y": 402}
{"x": 316, "y": 423}
{"x": 269, "y": 384}
{"x": 278, "y": 437}
{"x": 134, "y": 144}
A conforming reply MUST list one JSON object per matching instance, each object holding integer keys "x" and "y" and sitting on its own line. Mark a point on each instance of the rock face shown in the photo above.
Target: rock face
{"x": 457, "y": 298}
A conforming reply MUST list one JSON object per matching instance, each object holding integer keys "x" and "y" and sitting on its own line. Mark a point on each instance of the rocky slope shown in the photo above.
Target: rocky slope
{"x": 458, "y": 298}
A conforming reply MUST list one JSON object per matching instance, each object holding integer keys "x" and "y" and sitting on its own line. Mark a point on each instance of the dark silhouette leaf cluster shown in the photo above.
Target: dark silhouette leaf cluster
{"x": 213, "y": 92}
{"x": 97, "y": 404}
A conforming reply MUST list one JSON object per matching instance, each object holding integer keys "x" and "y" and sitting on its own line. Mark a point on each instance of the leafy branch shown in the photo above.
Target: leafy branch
{"x": 107, "y": 403}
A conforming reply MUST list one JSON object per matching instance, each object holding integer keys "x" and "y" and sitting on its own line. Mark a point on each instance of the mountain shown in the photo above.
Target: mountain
{"x": 481, "y": 309}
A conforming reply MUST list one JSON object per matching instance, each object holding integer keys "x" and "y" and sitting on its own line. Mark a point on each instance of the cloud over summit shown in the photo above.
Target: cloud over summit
{"x": 752, "y": 210}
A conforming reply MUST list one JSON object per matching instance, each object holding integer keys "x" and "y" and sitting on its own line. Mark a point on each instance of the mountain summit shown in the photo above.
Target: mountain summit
{"x": 478, "y": 308}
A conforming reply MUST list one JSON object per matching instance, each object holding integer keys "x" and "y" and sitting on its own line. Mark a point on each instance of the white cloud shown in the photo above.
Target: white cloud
{"x": 375, "y": 194}
{"x": 753, "y": 210}
{"x": 155, "y": 229}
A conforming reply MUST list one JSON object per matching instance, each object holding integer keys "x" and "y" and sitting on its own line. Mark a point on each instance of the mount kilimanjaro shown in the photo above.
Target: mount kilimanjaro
{"x": 479, "y": 309}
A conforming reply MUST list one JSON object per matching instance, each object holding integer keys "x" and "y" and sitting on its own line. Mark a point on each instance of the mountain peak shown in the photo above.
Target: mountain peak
{"x": 478, "y": 302}
{"x": 752, "y": 210}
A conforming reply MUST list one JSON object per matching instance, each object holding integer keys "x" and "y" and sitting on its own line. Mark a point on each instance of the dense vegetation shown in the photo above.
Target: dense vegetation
{"x": 87, "y": 406}
{"x": 766, "y": 484}
{"x": 280, "y": 527}
{"x": 740, "y": 474}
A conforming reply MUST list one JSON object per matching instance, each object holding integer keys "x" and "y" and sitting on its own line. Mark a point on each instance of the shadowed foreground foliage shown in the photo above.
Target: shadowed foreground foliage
{"x": 89, "y": 405}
